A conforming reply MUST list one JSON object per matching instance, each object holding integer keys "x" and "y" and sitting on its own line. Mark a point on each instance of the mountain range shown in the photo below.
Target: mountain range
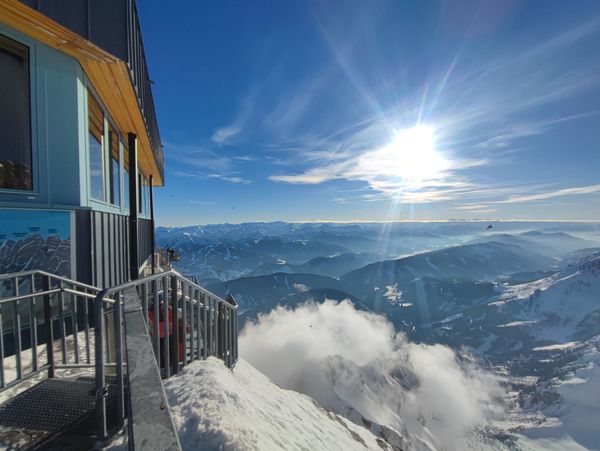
{"x": 522, "y": 297}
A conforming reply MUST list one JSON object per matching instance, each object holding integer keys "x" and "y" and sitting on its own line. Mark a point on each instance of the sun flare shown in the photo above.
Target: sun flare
{"x": 411, "y": 157}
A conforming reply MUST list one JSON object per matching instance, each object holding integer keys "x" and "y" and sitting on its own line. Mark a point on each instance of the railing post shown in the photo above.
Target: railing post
{"x": 86, "y": 324}
{"x": 1, "y": 351}
{"x": 175, "y": 326}
{"x": 100, "y": 388}
{"x": 205, "y": 325}
{"x": 118, "y": 317}
{"x": 199, "y": 328}
{"x": 192, "y": 315}
{"x": 156, "y": 324}
{"x": 75, "y": 327}
{"x": 183, "y": 332}
{"x": 17, "y": 331}
{"x": 220, "y": 330}
{"x": 166, "y": 336}
{"x": 211, "y": 327}
{"x": 61, "y": 325}
{"x": 235, "y": 336}
{"x": 33, "y": 327}
{"x": 49, "y": 327}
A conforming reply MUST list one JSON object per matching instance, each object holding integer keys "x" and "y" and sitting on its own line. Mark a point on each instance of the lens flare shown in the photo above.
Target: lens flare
{"x": 411, "y": 157}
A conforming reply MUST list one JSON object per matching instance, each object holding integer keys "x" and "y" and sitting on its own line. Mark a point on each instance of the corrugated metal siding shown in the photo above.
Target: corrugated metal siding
{"x": 145, "y": 232}
{"x": 102, "y": 251}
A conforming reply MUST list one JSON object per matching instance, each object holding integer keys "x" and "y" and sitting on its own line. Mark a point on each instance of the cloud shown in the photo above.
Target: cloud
{"x": 411, "y": 174}
{"x": 207, "y": 163}
{"x": 224, "y": 134}
{"x": 471, "y": 207}
{"x": 198, "y": 157}
{"x": 230, "y": 178}
{"x": 375, "y": 374}
{"x": 531, "y": 128}
{"x": 201, "y": 202}
{"x": 590, "y": 189}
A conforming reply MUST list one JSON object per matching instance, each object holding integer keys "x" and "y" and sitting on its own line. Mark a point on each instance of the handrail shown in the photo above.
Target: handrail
{"x": 61, "y": 318}
{"x": 84, "y": 326}
{"x": 171, "y": 272}
{"x": 183, "y": 322}
{"x": 48, "y": 274}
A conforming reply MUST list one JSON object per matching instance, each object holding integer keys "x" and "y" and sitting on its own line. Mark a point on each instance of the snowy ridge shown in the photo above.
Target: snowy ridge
{"x": 215, "y": 408}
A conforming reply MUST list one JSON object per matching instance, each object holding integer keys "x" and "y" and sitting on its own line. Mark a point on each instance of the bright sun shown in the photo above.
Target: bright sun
{"x": 411, "y": 156}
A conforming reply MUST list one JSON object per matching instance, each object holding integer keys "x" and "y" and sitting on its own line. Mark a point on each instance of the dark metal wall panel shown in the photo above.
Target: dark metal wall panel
{"x": 73, "y": 14}
{"x": 115, "y": 255}
{"x": 108, "y": 26}
{"x": 98, "y": 270}
{"x": 102, "y": 248}
{"x": 84, "y": 250}
{"x": 145, "y": 234}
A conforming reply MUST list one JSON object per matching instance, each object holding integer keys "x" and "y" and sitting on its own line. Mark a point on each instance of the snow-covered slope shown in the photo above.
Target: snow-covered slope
{"x": 216, "y": 408}
{"x": 354, "y": 363}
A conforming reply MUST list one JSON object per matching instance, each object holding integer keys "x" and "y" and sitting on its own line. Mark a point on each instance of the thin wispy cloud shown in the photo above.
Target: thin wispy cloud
{"x": 224, "y": 134}
{"x": 201, "y": 202}
{"x": 580, "y": 190}
{"x": 203, "y": 163}
{"x": 230, "y": 178}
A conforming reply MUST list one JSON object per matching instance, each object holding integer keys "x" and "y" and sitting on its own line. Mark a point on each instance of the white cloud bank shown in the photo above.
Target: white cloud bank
{"x": 354, "y": 363}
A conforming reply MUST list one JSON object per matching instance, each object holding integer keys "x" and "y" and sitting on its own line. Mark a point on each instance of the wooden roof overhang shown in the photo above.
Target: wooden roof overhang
{"x": 108, "y": 74}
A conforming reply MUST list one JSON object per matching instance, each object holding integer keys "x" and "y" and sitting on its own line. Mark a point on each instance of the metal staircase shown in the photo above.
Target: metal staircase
{"x": 78, "y": 364}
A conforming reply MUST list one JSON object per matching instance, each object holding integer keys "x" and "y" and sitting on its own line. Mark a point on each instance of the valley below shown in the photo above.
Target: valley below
{"x": 518, "y": 301}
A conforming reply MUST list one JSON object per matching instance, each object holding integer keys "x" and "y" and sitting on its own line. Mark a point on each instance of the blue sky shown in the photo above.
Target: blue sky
{"x": 378, "y": 110}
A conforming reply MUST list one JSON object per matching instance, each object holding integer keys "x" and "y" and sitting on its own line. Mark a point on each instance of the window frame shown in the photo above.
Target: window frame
{"x": 36, "y": 180}
{"x": 106, "y": 205}
{"x": 103, "y": 140}
{"x": 120, "y": 165}
{"x": 124, "y": 183}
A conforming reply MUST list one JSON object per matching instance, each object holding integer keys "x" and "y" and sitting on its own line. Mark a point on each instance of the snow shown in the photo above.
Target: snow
{"x": 10, "y": 366}
{"x": 518, "y": 323}
{"x": 301, "y": 288}
{"x": 421, "y": 393}
{"x": 216, "y": 408}
{"x": 558, "y": 346}
{"x": 393, "y": 294}
{"x": 450, "y": 318}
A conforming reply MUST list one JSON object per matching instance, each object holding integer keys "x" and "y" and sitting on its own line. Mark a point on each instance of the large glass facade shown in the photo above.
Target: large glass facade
{"x": 15, "y": 116}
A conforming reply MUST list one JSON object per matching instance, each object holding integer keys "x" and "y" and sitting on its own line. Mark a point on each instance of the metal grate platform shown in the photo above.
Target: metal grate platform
{"x": 47, "y": 410}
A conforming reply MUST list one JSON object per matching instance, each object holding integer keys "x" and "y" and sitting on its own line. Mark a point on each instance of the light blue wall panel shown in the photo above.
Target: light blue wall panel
{"x": 57, "y": 89}
{"x": 55, "y": 128}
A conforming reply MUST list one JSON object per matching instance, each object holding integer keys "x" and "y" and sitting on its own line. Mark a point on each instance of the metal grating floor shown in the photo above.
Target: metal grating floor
{"x": 47, "y": 410}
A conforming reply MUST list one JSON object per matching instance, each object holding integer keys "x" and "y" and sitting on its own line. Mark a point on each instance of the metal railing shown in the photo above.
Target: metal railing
{"x": 45, "y": 325}
{"x": 48, "y": 322}
{"x": 138, "y": 70}
{"x": 198, "y": 325}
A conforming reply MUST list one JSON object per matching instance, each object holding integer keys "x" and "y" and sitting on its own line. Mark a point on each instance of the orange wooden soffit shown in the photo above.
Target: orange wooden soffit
{"x": 108, "y": 74}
